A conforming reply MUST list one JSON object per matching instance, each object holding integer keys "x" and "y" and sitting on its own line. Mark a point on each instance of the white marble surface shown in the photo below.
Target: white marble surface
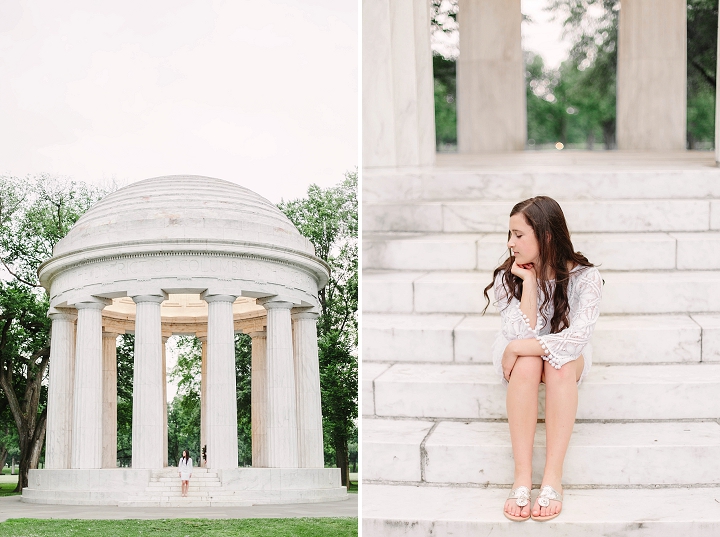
{"x": 474, "y": 337}
{"x": 388, "y": 291}
{"x": 282, "y": 406}
{"x": 258, "y": 396}
{"x": 109, "y": 455}
{"x": 88, "y": 398}
{"x": 147, "y": 426}
{"x": 710, "y": 324}
{"x": 222, "y": 450}
{"x": 563, "y": 175}
{"x": 618, "y": 216}
{"x": 413, "y": 338}
{"x": 391, "y": 449}
{"x": 411, "y": 511}
{"x": 608, "y": 251}
{"x": 699, "y": 251}
{"x": 60, "y": 391}
{"x": 452, "y": 292}
{"x": 404, "y": 251}
{"x": 615, "y": 392}
{"x": 652, "y": 75}
{"x": 412, "y": 216}
{"x": 307, "y": 383}
{"x": 398, "y": 103}
{"x": 599, "y": 454}
{"x": 370, "y": 371}
{"x": 491, "y": 109}
{"x": 682, "y": 291}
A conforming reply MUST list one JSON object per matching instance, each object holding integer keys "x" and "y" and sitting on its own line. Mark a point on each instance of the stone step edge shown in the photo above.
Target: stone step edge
{"x": 536, "y": 486}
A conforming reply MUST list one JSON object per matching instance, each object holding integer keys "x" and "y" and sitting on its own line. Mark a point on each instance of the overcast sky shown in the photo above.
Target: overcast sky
{"x": 260, "y": 93}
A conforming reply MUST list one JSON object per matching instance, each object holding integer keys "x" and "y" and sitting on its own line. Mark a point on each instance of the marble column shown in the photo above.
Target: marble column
{"x": 60, "y": 391}
{"x": 398, "y": 112}
{"x": 147, "y": 426}
{"x": 258, "y": 397}
{"x": 222, "y": 439}
{"x": 203, "y": 398}
{"x": 652, "y": 75}
{"x": 491, "y": 108}
{"x": 163, "y": 379}
{"x": 87, "y": 430}
{"x": 109, "y": 450}
{"x": 307, "y": 382}
{"x": 282, "y": 443}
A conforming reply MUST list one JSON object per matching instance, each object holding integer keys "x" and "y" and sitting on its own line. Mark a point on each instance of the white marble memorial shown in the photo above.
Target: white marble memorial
{"x": 184, "y": 255}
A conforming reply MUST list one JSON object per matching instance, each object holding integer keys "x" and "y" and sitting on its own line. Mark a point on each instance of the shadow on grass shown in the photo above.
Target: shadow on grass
{"x": 8, "y": 489}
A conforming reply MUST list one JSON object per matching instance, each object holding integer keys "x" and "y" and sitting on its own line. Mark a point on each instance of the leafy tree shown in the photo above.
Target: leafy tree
{"x": 445, "y": 105}
{"x": 125, "y": 370}
{"x": 35, "y": 213}
{"x": 329, "y": 219}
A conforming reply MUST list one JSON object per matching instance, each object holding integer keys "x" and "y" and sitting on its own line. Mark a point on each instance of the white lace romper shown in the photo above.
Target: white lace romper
{"x": 584, "y": 294}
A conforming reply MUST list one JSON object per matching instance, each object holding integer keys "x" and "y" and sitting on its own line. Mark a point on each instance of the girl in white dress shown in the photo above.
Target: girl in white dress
{"x": 185, "y": 470}
{"x": 549, "y": 300}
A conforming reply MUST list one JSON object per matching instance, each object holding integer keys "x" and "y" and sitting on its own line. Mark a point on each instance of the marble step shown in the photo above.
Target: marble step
{"x": 514, "y": 180}
{"x": 636, "y": 453}
{"x": 618, "y": 339}
{"x": 484, "y": 252}
{"x": 411, "y": 511}
{"x": 650, "y": 292}
{"x": 183, "y": 502}
{"x": 609, "y": 392}
{"x": 597, "y": 216}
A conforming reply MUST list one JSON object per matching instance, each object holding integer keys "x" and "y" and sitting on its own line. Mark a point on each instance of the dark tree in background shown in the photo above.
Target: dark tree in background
{"x": 35, "y": 213}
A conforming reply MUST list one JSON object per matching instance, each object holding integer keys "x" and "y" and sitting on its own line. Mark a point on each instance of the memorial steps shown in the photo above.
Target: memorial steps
{"x": 643, "y": 458}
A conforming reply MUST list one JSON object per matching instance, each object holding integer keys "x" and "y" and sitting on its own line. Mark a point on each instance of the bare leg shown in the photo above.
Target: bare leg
{"x": 522, "y": 410}
{"x": 561, "y": 400}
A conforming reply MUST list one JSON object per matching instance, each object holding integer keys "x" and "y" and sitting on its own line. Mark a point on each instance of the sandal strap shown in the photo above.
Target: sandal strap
{"x": 551, "y": 494}
{"x": 521, "y": 496}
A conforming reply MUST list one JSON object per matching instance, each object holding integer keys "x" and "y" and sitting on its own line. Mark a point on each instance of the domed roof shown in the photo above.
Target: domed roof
{"x": 183, "y": 208}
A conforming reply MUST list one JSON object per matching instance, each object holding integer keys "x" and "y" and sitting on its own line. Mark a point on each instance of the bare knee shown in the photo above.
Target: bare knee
{"x": 527, "y": 368}
{"x": 567, "y": 373}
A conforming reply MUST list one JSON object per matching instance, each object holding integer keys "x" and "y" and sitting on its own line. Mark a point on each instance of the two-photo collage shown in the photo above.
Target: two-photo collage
{"x": 388, "y": 268}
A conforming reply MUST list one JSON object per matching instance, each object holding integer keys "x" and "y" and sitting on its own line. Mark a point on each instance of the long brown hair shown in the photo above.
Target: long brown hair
{"x": 545, "y": 217}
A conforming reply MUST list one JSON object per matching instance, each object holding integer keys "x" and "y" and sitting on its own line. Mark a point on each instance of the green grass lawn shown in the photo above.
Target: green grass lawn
{"x": 249, "y": 527}
{"x": 6, "y": 489}
{"x": 353, "y": 487}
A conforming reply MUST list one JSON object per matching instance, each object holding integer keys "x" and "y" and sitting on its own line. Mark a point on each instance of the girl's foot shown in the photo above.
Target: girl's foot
{"x": 516, "y": 512}
{"x": 553, "y": 508}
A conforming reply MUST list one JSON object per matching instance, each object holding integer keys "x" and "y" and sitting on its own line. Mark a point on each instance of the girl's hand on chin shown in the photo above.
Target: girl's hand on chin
{"x": 523, "y": 271}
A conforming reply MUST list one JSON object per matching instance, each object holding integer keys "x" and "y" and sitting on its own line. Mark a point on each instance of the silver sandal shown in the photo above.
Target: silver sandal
{"x": 547, "y": 494}
{"x": 522, "y": 498}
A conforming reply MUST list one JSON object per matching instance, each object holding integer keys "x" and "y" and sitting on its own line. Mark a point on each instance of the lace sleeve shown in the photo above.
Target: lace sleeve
{"x": 515, "y": 324}
{"x": 567, "y": 345}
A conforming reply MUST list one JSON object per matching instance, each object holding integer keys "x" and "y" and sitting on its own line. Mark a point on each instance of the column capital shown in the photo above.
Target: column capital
{"x": 258, "y": 334}
{"x": 305, "y": 315}
{"x": 110, "y": 335}
{"x": 274, "y": 304}
{"x": 158, "y": 299}
{"x": 218, "y": 298}
{"x": 93, "y": 303}
{"x": 62, "y": 316}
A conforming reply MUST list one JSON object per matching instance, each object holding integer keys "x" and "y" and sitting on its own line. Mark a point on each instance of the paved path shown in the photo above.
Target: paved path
{"x": 12, "y": 507}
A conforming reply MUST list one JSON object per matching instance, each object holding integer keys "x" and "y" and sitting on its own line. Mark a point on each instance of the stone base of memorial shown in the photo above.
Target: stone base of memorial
{"x": 148, "y": 488}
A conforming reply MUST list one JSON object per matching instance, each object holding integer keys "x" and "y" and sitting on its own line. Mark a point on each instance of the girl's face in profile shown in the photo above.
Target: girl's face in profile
{"x": 522, "y": 241}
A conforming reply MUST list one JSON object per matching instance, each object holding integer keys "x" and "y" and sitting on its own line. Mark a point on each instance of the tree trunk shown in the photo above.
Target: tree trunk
{"x": 3, "y": 458}
{"x": 342, "y": 460}
{"x": 31, "y": 445}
